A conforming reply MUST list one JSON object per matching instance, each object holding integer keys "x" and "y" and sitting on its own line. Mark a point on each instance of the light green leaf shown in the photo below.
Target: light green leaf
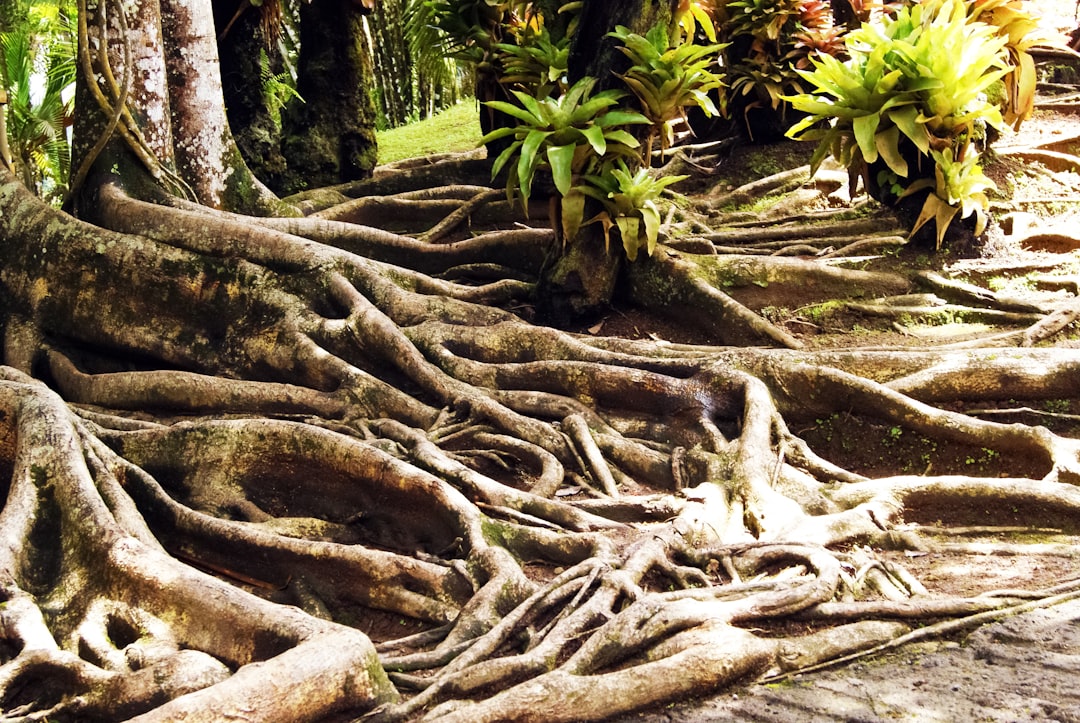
{"x": 590, "y": 108}
{"x": 864, "y": 128}
{"x": 527, "y": 161}
{"x": 907, "y": 120}
{"x": 595, "y": 136}
{"x": 621, "y": 118}
{"x": 573, "y": 210}
{"x": 561, "y": 159}
{"x": 505, "y": 156}
{"x": 496, "y": 134}
{"x": 541, "y": 112}
{"x": 650, "y": 216}
{"x": 629, "y": 231}
{"x": 623, "y": 137}
{"x": 888, "y": 145}
{"x": 516, "y": 111}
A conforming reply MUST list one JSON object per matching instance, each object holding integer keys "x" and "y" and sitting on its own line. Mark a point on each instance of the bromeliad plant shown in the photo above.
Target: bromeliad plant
{"x": 504, "y": 39}
{"x": 667, "y": 78}
{"x": 629, "y": 201}
{"x": 769, "y": 41}
{"x": 509, "y": 46}
{"x": 906, "y": 111}
{"x": 471, "y": 28}
{"x": 582, "y": 139}
{"x": 958, "y": 186}
{"x": 534, "y": 63}
{"x": 1013, "y": 22}
{"x": 766, "y": 19}
{"x": 570, "y": 135}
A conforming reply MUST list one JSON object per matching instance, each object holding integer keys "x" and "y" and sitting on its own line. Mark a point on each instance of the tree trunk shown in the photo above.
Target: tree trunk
{"x": 593, "y": 53}
{"x": 579, "y": 280}
{"x": 208, "y": 159}
{"x": 330, "y": 138}
{"x": 248, "y": 56}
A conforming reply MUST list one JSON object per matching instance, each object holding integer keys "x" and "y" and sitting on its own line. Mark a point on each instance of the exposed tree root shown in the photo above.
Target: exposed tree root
{"x": 1068, "y": 592}
{"x": 267, "y": 442}
{"x": 107, "y": 624}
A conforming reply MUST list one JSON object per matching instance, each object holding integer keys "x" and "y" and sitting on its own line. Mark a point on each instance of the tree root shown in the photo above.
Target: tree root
{"x": 296, "y": 432}
{"x": 937, "y": 630}
{"x": 129, "y": 620}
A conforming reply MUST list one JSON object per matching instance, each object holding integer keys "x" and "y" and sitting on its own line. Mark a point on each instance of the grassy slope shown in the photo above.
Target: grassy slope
{"x": 455, "y": 129}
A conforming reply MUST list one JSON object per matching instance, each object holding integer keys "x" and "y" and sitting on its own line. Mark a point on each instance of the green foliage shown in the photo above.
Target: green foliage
{"x": 507, "y": 44}
{"x": 434, "y": 71}
{"x": 913, "y": 89}
{"x": 470, "y": 29}
{"x": 488, "y": 33}
{"x": 277, "y": 88}
{"x": 629, "y": 200}
{"x": 692, "y": 16}
{"x": 568, "y": 134}
{"x": 958, "y": 186}
{"x": 667, "y": 77}
{"x": 765, "y": 19}
{"x": 1019, "y": 28}
{"x": 764, "y": 80}
{"x": 580, "y": 138}
{"x": 38, "y": 72}
{"x": 773, "y": 40}
{"x": 534, "y": 62}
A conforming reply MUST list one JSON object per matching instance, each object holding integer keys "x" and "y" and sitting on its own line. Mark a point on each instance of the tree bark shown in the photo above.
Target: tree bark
{"x": 330, "y": 138}
{"x": 593, "y": 53}
{"x": 244, "y": 46}
{"x": 208, "y": 159}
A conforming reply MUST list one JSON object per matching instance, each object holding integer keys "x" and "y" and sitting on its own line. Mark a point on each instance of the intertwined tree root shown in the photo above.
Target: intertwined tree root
{"x": 235, "y": 445}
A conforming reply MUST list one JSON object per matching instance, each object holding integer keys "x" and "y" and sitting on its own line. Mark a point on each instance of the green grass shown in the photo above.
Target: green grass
{"x": 455, "y": 129}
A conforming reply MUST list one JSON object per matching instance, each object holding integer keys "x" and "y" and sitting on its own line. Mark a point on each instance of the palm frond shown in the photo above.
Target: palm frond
{"x": 430, "y": 49}
{"x": 37, "y": 68}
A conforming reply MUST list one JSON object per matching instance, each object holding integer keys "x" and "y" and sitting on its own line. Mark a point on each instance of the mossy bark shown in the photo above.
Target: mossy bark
{"x": 330, "y": 138}
{"x": 581, "y": 278}
{"x": 593, "y": 53}
{"x": 244, "y": 48}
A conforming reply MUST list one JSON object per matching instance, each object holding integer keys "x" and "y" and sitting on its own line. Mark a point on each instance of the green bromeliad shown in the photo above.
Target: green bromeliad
{"x": 909, "y": 109}
{"x": 571, "y": 135}
{"x": 629, "y": 201}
